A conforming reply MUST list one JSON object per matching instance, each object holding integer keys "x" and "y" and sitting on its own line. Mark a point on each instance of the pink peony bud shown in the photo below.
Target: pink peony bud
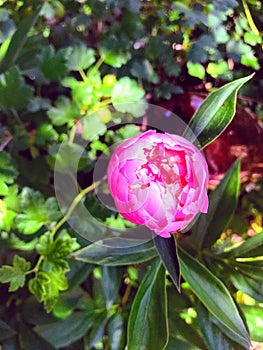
{"x": 158, "y": 180}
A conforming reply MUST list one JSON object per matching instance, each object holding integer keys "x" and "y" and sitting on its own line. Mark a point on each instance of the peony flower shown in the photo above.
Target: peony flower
{"x": 158, "y": 180}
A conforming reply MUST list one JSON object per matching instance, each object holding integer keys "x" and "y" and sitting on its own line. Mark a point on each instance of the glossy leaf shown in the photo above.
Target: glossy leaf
{"x": 18, "y": 40}
{"x": 215, "y": 113}
{"x": 166, "y": 248}
{"x": 250, "y": 248}
{"x": 30, "y": 340}
{"x": 103, "y": 254}
{"x": 147, "y": 325}
{"x": 115, "y": 331}
{"x": 214, "y": 337}
{"x": 214, "y": 295}
{"x": 251, "y": 286}
{"x": 222, "y": 203}
{"x": 111, "y": 279}
{"x": 63, "y": 333}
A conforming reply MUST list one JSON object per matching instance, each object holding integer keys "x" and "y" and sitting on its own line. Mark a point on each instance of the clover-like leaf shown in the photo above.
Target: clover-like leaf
{"x": 54, "y": 64}
{"x": 64, "y": 112}
{"x": 56, "y": 251}
{"x": 80, "y": 57}
{"x": 15, "y": 275}
{"x": 36, "y": 212}
{"x": 46, "y": 287}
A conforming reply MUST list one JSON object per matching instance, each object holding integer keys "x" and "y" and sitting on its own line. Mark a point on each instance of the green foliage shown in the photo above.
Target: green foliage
{"x": 72, "y": 74}
{"x": 36, "y": 212}
{"x": 148, "y": 319}
{"x": 15, "y": 275}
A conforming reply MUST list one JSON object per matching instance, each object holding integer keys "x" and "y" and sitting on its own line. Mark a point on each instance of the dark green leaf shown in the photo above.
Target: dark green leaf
{"x": 5, "y": 330}
{"x": 30, "y": 340}
{"x": 80, "y": 57}
{"x": 187, "y": 331}
{"x": 115, "y": 331}
{"x": 215, "y": 113}
{"x": 147, "y": 325}
{"x": 222, "y": 203}
{"x": 252, "y": 287}
{"x": 214, "y": 337}
{"x": 53, "y": 64}
{"x": 15, "y": 275}
{"x": 176, "y": 342}
{"x": 12, "y": 81}
{"x": 254, "y": 318}
{"x": 166, "y": 248}
{"x": 111, "y": 279}
{"x": 103, "y": 253}
{"x": 18, "y": 40}
{"x": 250, "y": 248}
{"x": 214, "y": 295}
{"x": 65, "y": 332}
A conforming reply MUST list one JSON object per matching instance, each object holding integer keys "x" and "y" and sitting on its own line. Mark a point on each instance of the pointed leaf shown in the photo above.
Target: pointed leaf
{"x": 215, "y": 113}
{"x": 18, "y": 40}
{"x": 222, "y": 203}
{"x": 166, "y": 248}
{"x": 214, "y": 295}
{"x": 147, "y": 325}
{"x": 111, "y": 280}
{"x": 250, "y": 248}
{"x": 214, "y": 337}
{"x": 103, "y": 254}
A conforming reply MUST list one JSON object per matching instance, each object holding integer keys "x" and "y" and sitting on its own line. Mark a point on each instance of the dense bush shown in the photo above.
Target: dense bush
{"x": 77, "y": 78}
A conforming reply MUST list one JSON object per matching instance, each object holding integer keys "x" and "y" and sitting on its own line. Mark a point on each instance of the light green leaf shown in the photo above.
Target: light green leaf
{"x": 7, "y": 173}
{"x": 147, "y": 325}
{"x": 114, "y": 58}
{"x": 215, "y": 113}
{"x": 46, "y": 287}
{"x": 214, "y": 295}
{"x": 15, "y": 275}
{"x": 64, "y": 112}
{"x": 93, "y": 127}
{"x": 14, "y": 92}
{"x": 36, "y": 212}
{"x": 126, "y": 94}
{"x": 80, "y": 57}
{"x": 196, "y": 70}
{"x": 254, "y": 318}
{"x": 222, "y": 203}
{"x": 103, "y": 253}
{"x": 216, "y": 69}
{"x": 56, "y": 251}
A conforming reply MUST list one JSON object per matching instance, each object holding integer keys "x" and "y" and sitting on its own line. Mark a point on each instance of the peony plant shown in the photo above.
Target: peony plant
{"x": 159, "y": 180}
